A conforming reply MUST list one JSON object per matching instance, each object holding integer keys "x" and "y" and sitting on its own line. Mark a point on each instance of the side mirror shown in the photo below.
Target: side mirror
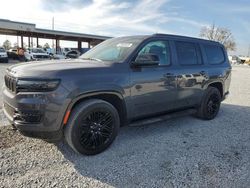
{"x": 147, "y": 60}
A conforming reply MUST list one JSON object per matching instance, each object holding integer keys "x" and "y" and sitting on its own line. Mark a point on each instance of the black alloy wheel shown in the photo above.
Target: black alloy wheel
{"x": 210, "y": 104}
{"x": 96, "y": 128}
{"x": 92, "y": 127}
{"x": 213, "y": 104}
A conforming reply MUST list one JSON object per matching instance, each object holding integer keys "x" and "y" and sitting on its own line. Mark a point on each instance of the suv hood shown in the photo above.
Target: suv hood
{"x": 51, "y": 68}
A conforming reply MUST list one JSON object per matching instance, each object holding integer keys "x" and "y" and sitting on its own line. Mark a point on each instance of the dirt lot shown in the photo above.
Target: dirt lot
{"x": 184, "y": 152}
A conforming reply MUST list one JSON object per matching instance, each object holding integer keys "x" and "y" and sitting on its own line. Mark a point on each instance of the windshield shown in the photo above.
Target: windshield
{"x": 37, "y": 50}
{"x": 2, "y": 50}
{"x": 116, "y": 49}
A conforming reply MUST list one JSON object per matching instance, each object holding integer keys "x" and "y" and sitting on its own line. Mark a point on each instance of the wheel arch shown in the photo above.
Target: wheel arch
{"x": 113, "y": 97}
{"x": 219, "y": 86}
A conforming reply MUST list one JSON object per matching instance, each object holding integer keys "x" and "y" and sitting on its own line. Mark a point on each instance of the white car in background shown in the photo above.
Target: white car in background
{"x": 245, "y": 60}
{"x": 233, "y": 59}
{"x": 35, "y": 54}
{"x": 55, "y": 55}
{"x": 70, "y": 53}
{"x": 3, "y": 55}
{"x": 63, "y": 53}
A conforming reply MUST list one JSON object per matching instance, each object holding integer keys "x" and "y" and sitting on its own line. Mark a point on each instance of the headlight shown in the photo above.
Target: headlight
{"x": 37, "y": 85}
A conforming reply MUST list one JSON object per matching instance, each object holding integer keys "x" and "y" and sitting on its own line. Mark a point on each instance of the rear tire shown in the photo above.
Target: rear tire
{"x": 92, "y": 127}
{"x": 210, "y": 104}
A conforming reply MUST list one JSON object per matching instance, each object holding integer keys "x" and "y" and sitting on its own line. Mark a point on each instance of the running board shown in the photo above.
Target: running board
{"x": 163, "y": 117}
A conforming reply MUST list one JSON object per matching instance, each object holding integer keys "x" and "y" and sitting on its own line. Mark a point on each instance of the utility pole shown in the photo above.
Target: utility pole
{"x": 53, "y": 27}
{"x": 248, "y": 54}
{"x": 17, "y": 41}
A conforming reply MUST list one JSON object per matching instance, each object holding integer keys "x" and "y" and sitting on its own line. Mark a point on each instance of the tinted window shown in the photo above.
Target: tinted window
{"x": 187, "y": 54}
{"x": 215, "y": 54}
{"x": 159, "y": 48}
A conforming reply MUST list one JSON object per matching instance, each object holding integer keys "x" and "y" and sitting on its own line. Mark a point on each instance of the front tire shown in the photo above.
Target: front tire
{"x": 92, "y": 127}
{"x": 210, "y": 104}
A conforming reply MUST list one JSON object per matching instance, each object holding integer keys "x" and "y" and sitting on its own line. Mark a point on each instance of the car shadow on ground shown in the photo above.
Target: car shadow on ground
{"x": 177, "y": 152}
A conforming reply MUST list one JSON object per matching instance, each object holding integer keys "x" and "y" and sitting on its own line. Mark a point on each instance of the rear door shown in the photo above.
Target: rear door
{"x": 191, "y": 74}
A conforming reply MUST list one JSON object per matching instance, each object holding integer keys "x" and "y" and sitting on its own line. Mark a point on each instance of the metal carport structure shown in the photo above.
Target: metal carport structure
{"x": 8, "y": 27}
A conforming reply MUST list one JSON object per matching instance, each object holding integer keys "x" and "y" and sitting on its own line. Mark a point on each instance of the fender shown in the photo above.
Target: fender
{"x": 94, "y": 93}
{"x": 91, "y": 94}
{"x": 213, "y": 81}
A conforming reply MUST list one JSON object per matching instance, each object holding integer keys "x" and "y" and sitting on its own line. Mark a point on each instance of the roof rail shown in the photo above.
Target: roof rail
{"x": 183, "y": 37}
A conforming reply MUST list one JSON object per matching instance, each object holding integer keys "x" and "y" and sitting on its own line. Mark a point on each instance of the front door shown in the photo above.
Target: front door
{"x": 153, "y": 87}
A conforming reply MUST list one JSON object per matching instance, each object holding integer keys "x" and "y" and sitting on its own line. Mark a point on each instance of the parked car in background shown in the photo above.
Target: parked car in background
{"x": 63, "y": 53}
{"x": 244, "y": 59}
{"x": 70, "y": 53}
{"x": 3, "y": 55}
{"x": 126, "y": 80}
{"x": 35, "y": 54}
{"x": 55, "y": 55}
{"x": 12, "y": 54}
{"x": 73, "y": 54}
{"x": 233, "y": 59}
{"x": 58, "y": 56}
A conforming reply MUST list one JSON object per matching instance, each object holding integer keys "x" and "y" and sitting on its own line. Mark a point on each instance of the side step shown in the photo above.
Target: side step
{"x": 163, "y": 117}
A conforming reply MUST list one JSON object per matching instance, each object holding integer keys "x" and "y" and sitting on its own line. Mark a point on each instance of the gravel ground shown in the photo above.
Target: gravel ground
{"x": 183, "y": 152}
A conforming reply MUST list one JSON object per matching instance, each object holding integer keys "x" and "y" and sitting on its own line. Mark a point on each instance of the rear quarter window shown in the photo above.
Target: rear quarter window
{"x": 215, "y": 54}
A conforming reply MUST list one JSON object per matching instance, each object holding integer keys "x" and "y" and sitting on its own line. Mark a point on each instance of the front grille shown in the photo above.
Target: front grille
{"x": 23, "y": 116}
{"x": 10, "y": 83}
{"x": 28, "y": 117}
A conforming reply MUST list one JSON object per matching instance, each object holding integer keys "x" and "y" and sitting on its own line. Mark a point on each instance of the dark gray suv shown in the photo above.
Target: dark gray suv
{"x": 121, "y": 81}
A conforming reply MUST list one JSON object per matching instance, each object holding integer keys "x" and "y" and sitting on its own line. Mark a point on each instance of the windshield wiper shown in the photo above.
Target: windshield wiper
{"x": 94, "y": 59}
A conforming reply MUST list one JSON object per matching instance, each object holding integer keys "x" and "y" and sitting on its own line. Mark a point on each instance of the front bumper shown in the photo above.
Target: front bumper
{"x": 36, "y": 114}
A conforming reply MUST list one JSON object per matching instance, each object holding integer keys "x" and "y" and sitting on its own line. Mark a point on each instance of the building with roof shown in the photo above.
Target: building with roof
{"x": 21, "y": 29}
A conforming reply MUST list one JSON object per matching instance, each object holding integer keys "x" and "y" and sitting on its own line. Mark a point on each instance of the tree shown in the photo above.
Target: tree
{"x": 219, "y": 34}
{"x": 46, "y": 45}
{"x": 7, "y": 45}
